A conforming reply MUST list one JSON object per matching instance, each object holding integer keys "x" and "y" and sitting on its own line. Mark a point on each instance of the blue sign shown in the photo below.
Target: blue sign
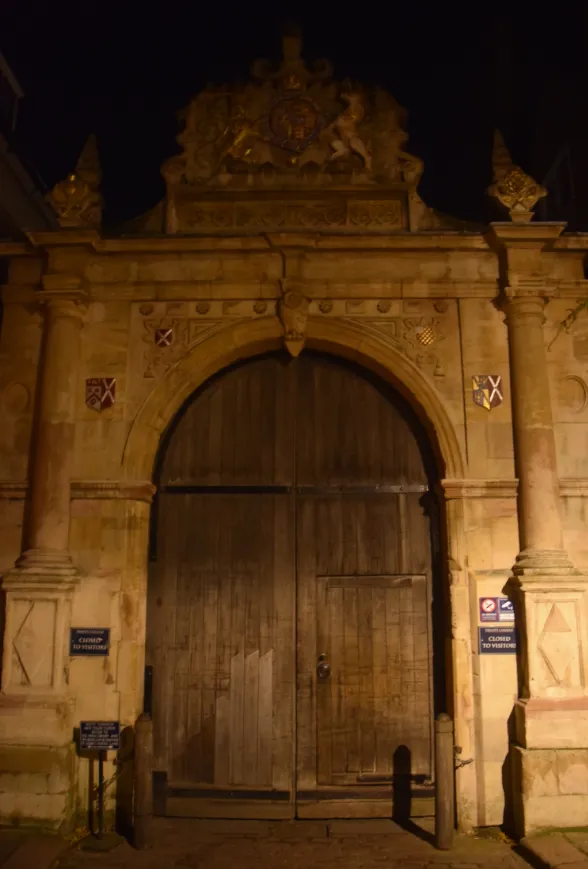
{"x": 99, "y": 735}
{"x": 497, "y": 641}
{"x": 505, "y": 610}
{"x": 89, "y": 641}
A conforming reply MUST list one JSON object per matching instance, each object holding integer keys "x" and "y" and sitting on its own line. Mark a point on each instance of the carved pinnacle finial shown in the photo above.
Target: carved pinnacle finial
{"x": 512, "y": 187}
{"x": 88, "y": 165}
{"x": 76, "y": 200}
{"x": 501, "y": 159}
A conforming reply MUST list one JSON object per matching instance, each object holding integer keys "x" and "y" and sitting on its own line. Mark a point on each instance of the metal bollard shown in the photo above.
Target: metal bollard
{"x": 143, "y": 806}
{"x": 444, "y": 782}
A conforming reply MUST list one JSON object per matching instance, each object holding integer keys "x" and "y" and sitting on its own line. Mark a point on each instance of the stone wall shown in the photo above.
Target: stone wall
{"x": 383, "y": 291}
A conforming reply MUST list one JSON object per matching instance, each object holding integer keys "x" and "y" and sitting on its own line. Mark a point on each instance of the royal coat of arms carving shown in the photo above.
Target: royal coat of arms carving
{"x": 289, "y": 126}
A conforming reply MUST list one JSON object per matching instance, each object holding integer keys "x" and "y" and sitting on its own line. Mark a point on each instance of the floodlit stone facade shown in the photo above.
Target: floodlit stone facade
{"x": 323, "y": 244}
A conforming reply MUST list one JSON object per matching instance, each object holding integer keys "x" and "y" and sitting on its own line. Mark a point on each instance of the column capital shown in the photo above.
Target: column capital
{"x": 523, "y": 273}
{"x": 536, "y": 235}
{"x": 63, "y": 294}
{"x": 521, "y": 308}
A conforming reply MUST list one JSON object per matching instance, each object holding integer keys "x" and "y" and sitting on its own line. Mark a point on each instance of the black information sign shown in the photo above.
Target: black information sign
{"x": 497, "y": 641}
{"x": 89, "y": 641}
{"x": 99, "y": 735}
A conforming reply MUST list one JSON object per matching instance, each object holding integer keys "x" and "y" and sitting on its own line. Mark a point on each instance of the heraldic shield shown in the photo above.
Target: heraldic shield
{"x": 100, "y": 392}
{"x": 486, "y": 390}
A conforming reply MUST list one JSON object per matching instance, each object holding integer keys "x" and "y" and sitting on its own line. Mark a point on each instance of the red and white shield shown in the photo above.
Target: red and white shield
{"x": 100, "y": 392}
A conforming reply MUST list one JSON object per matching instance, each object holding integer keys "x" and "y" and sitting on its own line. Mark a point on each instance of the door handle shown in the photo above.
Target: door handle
{"x": 323, "y": 668}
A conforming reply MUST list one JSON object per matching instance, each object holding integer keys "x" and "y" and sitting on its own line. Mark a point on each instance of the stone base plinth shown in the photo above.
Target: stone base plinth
{"x": 550, "y": 788}
{"x": 36, "y": 720}
{"x": 552, "y": 723}
{"x": 37, "y": 761}
{"x": 37, "y": 785}
{"x": 549, "y": 763}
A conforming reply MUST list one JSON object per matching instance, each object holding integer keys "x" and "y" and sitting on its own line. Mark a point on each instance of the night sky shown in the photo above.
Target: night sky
{"x": 123, "y": 69}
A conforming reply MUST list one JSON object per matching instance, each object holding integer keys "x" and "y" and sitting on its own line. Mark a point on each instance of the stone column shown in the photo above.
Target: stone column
{"x": 551, "y": 715}
{"x": 39, "y": 587}
{"x": 536, "y": 464}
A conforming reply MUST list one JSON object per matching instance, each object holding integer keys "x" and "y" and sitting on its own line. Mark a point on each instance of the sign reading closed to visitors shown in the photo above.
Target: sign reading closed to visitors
{"x": 89, "y": 641}
{"x": 497, "y": 641}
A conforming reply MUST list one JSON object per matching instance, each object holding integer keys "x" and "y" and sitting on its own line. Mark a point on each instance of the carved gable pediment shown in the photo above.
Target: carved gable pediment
{"x": 291, "y": 149}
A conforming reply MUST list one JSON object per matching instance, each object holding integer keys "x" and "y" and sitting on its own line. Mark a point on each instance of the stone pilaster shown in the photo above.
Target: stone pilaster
{"x": 39, "y": 588}
{"x": 550, "y": 746}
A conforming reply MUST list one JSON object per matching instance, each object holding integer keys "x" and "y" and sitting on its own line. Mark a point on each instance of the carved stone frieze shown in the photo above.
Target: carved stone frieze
{"x": 343, "y": 211}
{"x": 169, "y": 330}
{"x": 377, "y": 214}
{"x": 182, "y": 333}
{"x": 265, "y": 215}
{"x": 416, "y": 337}
{"x": 205, "y": 215}
{"x": 311, "y": 215}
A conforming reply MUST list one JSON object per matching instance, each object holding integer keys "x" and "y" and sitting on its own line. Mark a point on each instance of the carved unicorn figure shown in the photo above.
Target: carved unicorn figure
{"x": 346, "y": 138}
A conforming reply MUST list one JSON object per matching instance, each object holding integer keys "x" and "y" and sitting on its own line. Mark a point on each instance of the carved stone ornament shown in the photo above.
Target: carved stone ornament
{"x": 293, "y": 313}
{"x": 100, "y": 392}
{"x": 291, "y": 126}
{"x": 167, "y": 339}
{"x": 76, "y": 200}
{"x": 513, "y": 188}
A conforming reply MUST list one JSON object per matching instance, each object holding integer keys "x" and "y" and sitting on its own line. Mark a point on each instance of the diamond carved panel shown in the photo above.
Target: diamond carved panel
{"x": 33, "y": 644}
{"x": 558, "y": 643}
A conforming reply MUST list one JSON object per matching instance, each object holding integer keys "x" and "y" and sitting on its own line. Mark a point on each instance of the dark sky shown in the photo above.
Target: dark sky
{"x": 122, "y": 70}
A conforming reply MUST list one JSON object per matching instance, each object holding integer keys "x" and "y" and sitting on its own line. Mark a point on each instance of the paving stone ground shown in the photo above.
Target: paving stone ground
{"x": 187, "y": 844}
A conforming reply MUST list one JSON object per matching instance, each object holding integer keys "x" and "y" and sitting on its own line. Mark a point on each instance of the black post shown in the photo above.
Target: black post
{"x": 444, "y": 782}
{"x": 101, "y": 794}
{"x": 143, "y": 780}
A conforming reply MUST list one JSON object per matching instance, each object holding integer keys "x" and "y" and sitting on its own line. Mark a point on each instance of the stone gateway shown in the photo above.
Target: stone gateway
{"x": 279, "y": 436}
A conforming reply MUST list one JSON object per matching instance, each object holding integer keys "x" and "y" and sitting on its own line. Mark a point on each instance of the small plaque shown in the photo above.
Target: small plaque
{"x": 99, "y": 735}
{"x": 506, "y": 611}
{"x": 497, "y": 641}
{"x": 92, "y": 642}
{"x": 488, "y": 609}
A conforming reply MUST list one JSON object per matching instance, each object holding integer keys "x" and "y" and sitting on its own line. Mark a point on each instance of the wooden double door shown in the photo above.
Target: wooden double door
{"x": 290, "y": 597}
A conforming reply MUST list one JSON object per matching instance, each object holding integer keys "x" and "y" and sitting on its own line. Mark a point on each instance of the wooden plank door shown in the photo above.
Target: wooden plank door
{"x": 373, "y": 694}
{"x": 364, "y": 614}
{"x": 364, "y": 596}
{"x": 290, "y": 525}
{"x": 223, "y": 654}
{"x": 221, "y": 602}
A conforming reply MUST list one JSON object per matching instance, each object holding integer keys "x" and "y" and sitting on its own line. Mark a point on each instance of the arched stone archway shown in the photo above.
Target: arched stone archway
{"x": 375, "y": 353}
{"x": 246, "y": 339}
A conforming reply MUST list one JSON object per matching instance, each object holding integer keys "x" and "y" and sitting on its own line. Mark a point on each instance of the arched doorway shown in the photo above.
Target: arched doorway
{"x": 291, "y": 595}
